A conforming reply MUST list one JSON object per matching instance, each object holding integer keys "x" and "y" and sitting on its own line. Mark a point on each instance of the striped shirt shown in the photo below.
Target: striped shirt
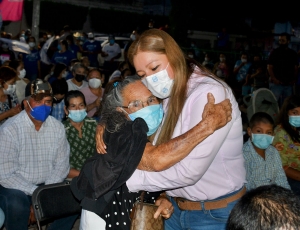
{"x": 29, "y": 157}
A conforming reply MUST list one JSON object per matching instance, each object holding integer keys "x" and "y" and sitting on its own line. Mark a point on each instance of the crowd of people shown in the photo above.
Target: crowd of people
{"x": 159, "y": 122}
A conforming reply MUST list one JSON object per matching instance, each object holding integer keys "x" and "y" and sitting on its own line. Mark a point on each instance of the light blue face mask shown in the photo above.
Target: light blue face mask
{"x": 77, "y": 115}
{"x": 294, "y": 121}
{"x": 152, "y": 115}
{"x": 262, "y": 141}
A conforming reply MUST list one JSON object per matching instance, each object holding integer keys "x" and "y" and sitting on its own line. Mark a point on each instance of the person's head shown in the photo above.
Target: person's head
{"x": 91, "y": 36}
{"x": 191, "y": 53}
{"x": 95, "y": 78}
{"x": 18, "y": 66}
{"x": 31, "y": 42}
{"x": 128, "y": 100}
{"x": 207, "y": 57}
{"x": 266, "y": 208}
{"x": 66, "y": 28}
{"x": 70, "y": 39}
{"x": 256, "y": 58}
{"x": 8, "y": 77}
{"x": 38, "y": 100}
{"x": 156, "y": 52}
{"x": 60, "y": 70}
{"x": 289, "y": 117}
{"x": 79, "y": 72}
{"x": 75, "y": 106}
{"x": 244, "y": 57}
{"x": 123, "y": 65}
{"x": 72, "y": 63}
{"x": 85, "y": 61}
{"x": 125, "y": 73}
{"x": 60, "y": 89}
{"x": 284, "y": 40}
{"x": 222, "y": 57}
{"x": 111, "y": 39}
{"x": 261, "y": 130}
{"x": 63, "y": 45}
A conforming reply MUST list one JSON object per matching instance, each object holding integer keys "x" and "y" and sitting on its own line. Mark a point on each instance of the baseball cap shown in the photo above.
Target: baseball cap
{"x": 38, "y": 89}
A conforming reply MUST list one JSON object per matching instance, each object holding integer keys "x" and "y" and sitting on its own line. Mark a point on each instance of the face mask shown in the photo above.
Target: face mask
{"x": 112, "y": 41}
{"x": 222, "y": 59}
{"x": 160, "y": 84}
{"x": 294, "y": 121}
{"x": 77, "y": 115}
{"x": 262, "y": 141}
{"x": 59, "y": 47}
{"x": 244, "y": 60}
{"x": 152, "y": 115}
{"x": 132, "y": 37}
{"x": 94, "y": 83}
{"x": 40, "y": 113}
{"x": 10, "y": 89}
{"x": 206, "y": 59}
{"x": 81, "y": 42}
{"x": 219, "y": 73}
{"x": 4, "y": 46}
{"x": 48, "y": 36}
{"x": 31, "y": 44}
{"x": 22, "y": 73}
{"x": 191, "y": 56}
{"x": 64, "y": 75}
{"x": 79, "y": 77}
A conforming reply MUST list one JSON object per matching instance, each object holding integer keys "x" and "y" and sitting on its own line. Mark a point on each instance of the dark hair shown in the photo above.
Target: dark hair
{"x": 291, "y": 102}
{"x": 122, "y": 64}
{"x": 266, "y": 208}
{"x": 261, "y": 117}
{"x": 73, "y": 94}
{"x": 65, "y": 43}
{"x": 6, "y": 73}
{"x": 288, "y": 36}
{"x": 70, "y": 38}
{"x": 59, "y": 86}
{"x": 95, "y": 69}
{"x": 58, "y": 68}
{"x": 15, "y": 64}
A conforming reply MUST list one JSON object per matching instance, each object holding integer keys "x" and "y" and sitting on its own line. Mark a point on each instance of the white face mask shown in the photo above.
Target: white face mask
{"x": 244, "y": 60}
{"x": 10, "y": 90}
{"x": 222, "y": 59}
{"x": 160, "y": 84}
{"x": 219, "y": 73}
{"x": 22, "y": 73}
{"x": 64, "y": 75}
{"x": 206, "y": 59}
{"x": 94, "y": 83}
{"x": 31, "y": 44}
{"x": 132, "y": 37}
{"x": 191, "y": 56}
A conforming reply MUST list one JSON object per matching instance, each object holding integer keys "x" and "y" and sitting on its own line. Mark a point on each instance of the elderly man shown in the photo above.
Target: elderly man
{"x": 34, "y": 151}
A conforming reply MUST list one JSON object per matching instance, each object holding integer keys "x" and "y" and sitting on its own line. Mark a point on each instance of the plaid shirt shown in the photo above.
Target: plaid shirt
{"x": 261, "y": 171}
{"x": 29, "y": 157}
{"x": 58, "y": 110}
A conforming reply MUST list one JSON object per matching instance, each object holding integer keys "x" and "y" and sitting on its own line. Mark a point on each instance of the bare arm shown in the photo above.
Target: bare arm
{"x": 73, "y": 173}
{"x": 272, "y": 76}
{"x": 292, "y": 173}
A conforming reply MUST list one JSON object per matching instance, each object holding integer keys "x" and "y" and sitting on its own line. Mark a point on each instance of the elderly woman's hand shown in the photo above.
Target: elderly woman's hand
{"x": 165, "y": 207}
{"x": 219, "y": 114}
{"x": 100, "y": 146}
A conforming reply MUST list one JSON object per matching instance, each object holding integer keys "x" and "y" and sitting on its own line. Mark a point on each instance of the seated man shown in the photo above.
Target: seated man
{"x": 266, "y": 207}
{"x": 34, "y": 151}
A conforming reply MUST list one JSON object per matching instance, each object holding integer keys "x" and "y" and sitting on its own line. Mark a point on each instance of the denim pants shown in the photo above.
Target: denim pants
{"x": 200, "y": 220}
{"x": 16, "y": 207}
{"x": 281, "y": 92}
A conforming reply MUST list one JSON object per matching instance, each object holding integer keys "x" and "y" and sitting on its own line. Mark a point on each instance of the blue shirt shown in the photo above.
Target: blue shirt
{"x": 92, "y": 47}
{"x": 261, "y": 171}
{"x": 30, "y": 62}
{"x": 58, "y": 110}
{"x": 243, "y": 71}
{"x": 65, "y": 57}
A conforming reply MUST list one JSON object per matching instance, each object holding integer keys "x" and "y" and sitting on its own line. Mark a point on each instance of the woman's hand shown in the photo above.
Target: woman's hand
{"x": 100, "y": 146}
{"x": 165, "y": 207}
{"x": 218, "y": 115}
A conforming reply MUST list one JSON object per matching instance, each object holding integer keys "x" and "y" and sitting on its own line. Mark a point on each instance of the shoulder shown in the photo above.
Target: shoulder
{"x": 52, "y": 122}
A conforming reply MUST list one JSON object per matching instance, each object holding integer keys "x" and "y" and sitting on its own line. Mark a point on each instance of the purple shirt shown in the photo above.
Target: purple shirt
{"x": 215, "y": 167}
{"x": 90, "y": 98}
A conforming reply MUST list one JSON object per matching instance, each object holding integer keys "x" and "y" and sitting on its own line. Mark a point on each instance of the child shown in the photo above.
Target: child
{"x": 262, "y": 160}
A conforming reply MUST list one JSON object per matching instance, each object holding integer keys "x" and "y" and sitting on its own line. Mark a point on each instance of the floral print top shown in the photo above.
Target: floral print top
{"x": 289, "y": 150}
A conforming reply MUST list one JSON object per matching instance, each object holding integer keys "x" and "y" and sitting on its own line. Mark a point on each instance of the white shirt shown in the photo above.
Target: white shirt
{"x": 72, "y": 86}
{"x": 111, "y": 50}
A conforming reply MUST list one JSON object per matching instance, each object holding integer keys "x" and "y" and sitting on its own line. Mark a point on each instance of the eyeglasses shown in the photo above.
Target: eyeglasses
{"x": 136, "y": 105}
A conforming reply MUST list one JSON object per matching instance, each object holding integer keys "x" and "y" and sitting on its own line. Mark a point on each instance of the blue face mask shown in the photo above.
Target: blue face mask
{"x": 111, "y": 41}
{"x": 294, "y": 121}
{"x": 152, "y": 115}
{"x": 77, "y": 115}
{"x": 59, "y": 47}
{"x": 262, "y": 141}
{"x": 41, "y": 112}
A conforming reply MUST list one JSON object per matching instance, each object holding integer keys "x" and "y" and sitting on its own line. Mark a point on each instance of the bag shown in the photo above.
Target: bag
{"x": 142, "y": 217}
{"x": 262, "y": 100}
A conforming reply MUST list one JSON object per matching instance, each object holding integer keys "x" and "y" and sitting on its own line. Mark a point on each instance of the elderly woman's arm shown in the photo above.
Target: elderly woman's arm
{"x": 161, "y": 157}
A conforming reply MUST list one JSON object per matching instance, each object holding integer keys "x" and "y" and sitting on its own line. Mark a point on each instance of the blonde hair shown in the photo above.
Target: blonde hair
{"x": 158, "y": 41}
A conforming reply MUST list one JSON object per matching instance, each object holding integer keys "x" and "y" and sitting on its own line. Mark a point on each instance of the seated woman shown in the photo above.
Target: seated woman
{"x": 101, "y": 183}
{"x": 80, "y": 131}
{"x": 9, "y": 105}
{"x": 287, "y": 140}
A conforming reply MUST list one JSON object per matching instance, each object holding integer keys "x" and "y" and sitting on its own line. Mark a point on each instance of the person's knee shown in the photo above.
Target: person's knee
{"x": 15, "y": 201}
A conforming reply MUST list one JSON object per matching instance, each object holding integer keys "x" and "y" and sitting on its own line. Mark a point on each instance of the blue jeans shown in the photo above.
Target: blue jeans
{"x": 281, "y": 92}
{"x": 200, "y": 220}
{"x": 16, "y": 207}
{"x": 2, "y": 218}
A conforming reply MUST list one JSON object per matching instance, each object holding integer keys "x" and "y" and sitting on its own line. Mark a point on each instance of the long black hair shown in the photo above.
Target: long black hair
{"x": 291, "y": 102}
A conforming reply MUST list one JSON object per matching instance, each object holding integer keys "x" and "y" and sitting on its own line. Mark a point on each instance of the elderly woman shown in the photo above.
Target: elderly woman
{"x": 205, "y": 185}
{"x": 126, "y": 139}
{"x": 9, "y": 105}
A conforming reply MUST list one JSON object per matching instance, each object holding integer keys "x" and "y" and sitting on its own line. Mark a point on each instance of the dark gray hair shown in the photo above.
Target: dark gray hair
{"x": 111, "y": 101}
{"x": 78, "y": 65}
